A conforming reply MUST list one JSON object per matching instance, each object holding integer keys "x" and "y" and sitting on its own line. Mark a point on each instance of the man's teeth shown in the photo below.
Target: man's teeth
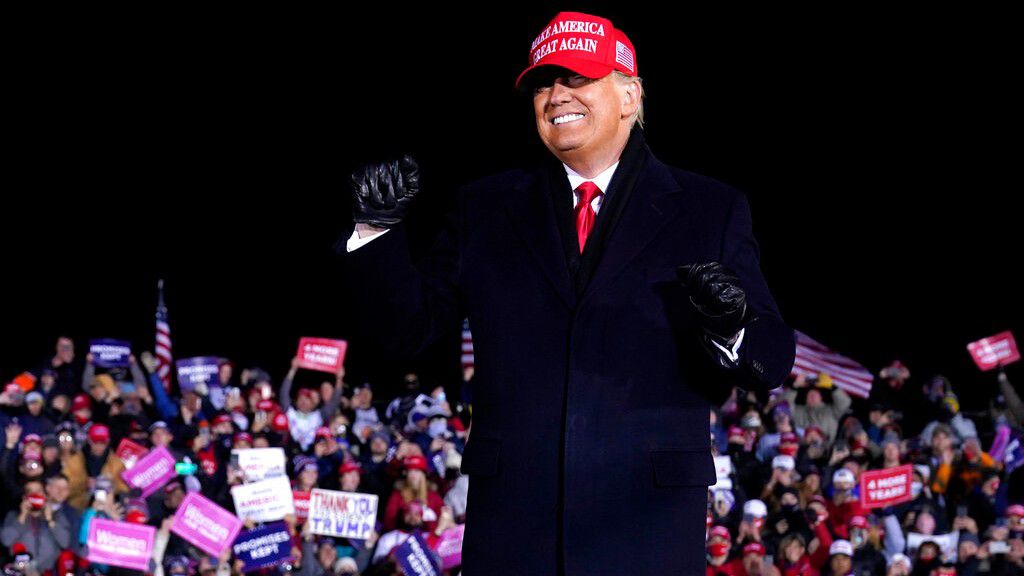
{"x": 567, "y": 118}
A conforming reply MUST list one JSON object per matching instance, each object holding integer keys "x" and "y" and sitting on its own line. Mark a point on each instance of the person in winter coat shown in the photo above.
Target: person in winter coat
{"x": 815, "y": 401}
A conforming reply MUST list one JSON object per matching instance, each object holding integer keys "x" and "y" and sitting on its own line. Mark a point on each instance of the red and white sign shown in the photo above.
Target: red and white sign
{"x": 994, "y": 350}
{"x": 880, "y": 488}
{"x": 321, "y": 354}
{"x": 264, "y": 501}
{"x": 129, "y": 452}
{"x": 301, "y": 502}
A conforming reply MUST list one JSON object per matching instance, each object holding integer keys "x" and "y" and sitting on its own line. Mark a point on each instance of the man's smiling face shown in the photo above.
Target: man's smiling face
{"x": 578, "y": 117}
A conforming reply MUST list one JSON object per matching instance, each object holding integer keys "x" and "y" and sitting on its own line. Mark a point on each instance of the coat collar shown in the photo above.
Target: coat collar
{"x": 650, "y": 196}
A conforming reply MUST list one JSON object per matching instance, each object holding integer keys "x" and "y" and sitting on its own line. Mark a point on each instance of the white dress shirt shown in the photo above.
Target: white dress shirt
{"x": 575, "y": 179}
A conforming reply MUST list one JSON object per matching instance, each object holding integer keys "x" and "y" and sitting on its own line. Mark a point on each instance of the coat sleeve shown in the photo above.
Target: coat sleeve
{"x": 769, "y": 345}
{"x": 402, "y": 307}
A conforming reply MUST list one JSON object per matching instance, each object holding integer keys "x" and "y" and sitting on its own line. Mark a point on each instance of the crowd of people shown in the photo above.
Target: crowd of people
{"x": 63, "y": 422}
{"x": 787, "y": 501}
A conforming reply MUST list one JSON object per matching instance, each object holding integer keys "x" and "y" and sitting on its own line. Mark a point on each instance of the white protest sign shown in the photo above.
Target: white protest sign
{"x": 264, "y": 501}
{"x": 342, "y": 514}
{"x": 260, "y": 463}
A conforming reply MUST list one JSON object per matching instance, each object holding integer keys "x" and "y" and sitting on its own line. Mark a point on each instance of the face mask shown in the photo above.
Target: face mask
{"x": 789, "y": 507}
{"x": 915, "y": 488}
{"x": 718, "y": 549}
{"x": 437, "y": 427}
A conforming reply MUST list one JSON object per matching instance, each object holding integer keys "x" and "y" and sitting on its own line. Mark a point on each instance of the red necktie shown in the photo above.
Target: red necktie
{"x": 585, "y": 214}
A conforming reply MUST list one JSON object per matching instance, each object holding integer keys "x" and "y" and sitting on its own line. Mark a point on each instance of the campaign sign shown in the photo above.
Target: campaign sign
{"x": 321, "y": 354}
{"x": 342, "y": 514}
{"x": 129, "y": 452}
{"x": 947, "y": 543}
{"x": 301, "y": 502}
{"x": 151, "y": 471}
{"x": 198, "y": 370}
{"x": 204, "y": 524}
{"x": 416, "y": 558}
{"x": 449, "y": 547}
{"x": 110, "y": 353}
{"x": 993, "y": 351}
{"x": 880, "y": 488}
{"x": 120, "y": 543}
{"x": 264, "y": 501}
{"x": 263, "y": 547}
{"x": 260, "y": 463}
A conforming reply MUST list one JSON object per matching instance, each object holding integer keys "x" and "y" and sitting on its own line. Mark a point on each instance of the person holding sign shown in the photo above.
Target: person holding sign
{"x": 305, "y": 416}
{"x": 611, "y": 295}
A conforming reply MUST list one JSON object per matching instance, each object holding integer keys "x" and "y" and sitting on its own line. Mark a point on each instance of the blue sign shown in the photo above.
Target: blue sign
{"x": 265, "y": 546}
{"x": 199, "y": 370}
{"x": 416, "y": 558}
{"x": 110, "y": 353}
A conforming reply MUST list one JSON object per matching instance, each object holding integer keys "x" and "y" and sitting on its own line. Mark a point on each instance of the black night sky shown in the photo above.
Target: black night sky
{"x": 214, "y": 152}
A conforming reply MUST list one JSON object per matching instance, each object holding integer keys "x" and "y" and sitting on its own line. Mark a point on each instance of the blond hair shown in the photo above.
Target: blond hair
{"x": 623, "y": 78}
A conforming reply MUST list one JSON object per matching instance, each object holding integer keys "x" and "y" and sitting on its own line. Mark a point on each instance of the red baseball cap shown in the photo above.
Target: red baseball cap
{"x": 415, "y": 461}
{"x": 135, "y": 517}
{"x": 81, "y": 402}
{"x": 754, "y": 548}
{"x": 32, "y": 439}
{"x": 279, "y": 423}
{"x": 720, "y": 531}
{"x": 349, "y": 466}
{"x": 99, "y": 433}
{"x": 586, "y": 44}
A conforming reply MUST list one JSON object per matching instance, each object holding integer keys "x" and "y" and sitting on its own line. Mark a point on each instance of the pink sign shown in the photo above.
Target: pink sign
{"x": 880, "y": 488}
{"x": 994, "y": 350}
{"x": 449, "y": 547}
{"x": 120, "y": 543}
{"x": 151, "y": 472}
{"x": 203, "y": 523}
{"x": 321, "y": 354}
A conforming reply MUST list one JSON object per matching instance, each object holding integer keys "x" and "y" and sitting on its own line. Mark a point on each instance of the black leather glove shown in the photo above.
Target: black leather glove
{"x": 716, "y": 293}
{"x": 383, "y": 191}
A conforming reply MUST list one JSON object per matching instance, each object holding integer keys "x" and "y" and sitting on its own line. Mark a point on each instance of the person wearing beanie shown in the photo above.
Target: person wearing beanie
{"x": 596, "y": 270}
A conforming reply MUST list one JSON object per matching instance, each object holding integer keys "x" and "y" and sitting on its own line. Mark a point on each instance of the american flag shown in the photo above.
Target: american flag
{"x": 624, "y": 56}
{"x": 164, "y": 358}
{"x": 467, "y": 345}
{"x": 813, "y": 357}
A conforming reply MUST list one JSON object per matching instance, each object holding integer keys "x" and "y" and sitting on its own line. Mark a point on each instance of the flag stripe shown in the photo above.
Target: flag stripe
{"x": 813, "y": 357}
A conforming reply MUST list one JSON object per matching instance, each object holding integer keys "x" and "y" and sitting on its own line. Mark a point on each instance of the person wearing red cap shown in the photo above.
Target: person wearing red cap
{"x": 753, "y": 561}
{"x": 718, "y": 561}
{"x": 413, "y": 488}
{"x": 607, "y": 292}
{"x": 94, "y": 459}
{"x": 34, "y": 523}
{"x": 306, "y": 415}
